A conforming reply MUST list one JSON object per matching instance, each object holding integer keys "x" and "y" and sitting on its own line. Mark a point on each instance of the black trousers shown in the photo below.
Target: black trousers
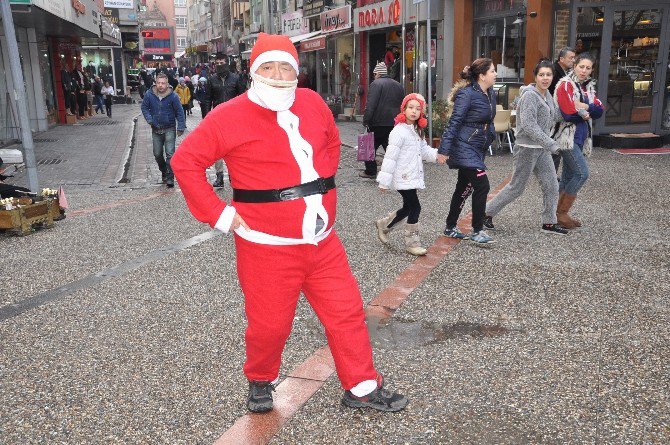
{"x": 475, "y": 182}
{"x": 82, "y": 102}
{"x": 204, "y": 109}
{"x": 108, "y": 105}
{"x": 381, "y": 138}
{"x": 411, "y": 207}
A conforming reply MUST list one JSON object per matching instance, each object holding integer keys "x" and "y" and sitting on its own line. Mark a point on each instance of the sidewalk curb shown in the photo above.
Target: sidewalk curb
{"x": 121, "y": 176}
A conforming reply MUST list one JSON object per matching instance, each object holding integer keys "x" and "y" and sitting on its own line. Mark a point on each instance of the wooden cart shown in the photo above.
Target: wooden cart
{"x": 22, "y": 219}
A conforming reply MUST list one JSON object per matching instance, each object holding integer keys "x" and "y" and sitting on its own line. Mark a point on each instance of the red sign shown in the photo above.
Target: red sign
{"x": 313, "y": 44}
{"x": 379, "y": 15}
{"x": 336, "y": 19}
{"x": 79, "y": 7}
{"x": 156, "y": 33}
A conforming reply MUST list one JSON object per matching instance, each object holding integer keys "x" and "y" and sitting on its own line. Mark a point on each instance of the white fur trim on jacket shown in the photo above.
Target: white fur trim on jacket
{"x": 274, "y": 56}
{"x": 565, "y": 134}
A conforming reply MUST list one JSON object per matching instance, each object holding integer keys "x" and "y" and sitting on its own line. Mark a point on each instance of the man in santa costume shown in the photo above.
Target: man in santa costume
{"x": 282, "y": 149}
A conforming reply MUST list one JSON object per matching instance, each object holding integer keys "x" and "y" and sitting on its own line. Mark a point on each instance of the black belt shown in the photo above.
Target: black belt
{"x": 320, "y": 186}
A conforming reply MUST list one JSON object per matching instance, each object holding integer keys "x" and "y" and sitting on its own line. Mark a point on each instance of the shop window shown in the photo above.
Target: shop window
{"x": 181, "y": 42}
{"x": 632, "y": 66}
{"x": 180, "y": 3}
{"x": 504, "y": 42}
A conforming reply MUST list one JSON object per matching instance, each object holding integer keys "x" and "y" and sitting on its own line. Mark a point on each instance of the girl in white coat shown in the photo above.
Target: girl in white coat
{"x": 402, "y": 170}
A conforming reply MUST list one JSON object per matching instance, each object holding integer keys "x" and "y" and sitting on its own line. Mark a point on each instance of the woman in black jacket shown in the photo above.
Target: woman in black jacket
{"x": 464, "y": 144}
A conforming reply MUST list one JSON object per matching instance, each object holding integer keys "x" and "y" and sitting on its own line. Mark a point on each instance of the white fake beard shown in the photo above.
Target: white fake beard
{"x": 276, "y": 95}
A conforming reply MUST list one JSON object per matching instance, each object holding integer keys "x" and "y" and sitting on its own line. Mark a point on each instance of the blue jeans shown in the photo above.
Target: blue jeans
{"x": 164, "y": 142}
{"x": 99, "y": 103}
{"x": 575, "y": 170}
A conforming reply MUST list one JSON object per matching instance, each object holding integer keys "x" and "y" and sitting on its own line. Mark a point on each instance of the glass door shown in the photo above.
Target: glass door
{"x": 632, "y": 75}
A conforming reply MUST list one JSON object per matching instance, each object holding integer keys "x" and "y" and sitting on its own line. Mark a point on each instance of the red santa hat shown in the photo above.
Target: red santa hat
{"x": 273, "y": 48}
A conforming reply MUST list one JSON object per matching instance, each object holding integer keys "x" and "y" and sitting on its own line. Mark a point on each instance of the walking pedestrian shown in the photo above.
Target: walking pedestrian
{"x": 221, "y": 87}
{"x": 402, "y": 170}
{"x": 464, "y": 143}
{"x": 161, "y": 107}
{"x": 282, "y": 214}
{"x": 108, "y": 93}
{"x": 536, "y": 116}
{"x": 97, "y": 95}
{"x": 562, "y": 66}
{"x": 385, "y": 96}
{"x": 201, "y": 96}
{"x": 576, "y": 96}
{"x": 191, "y": 89}
{"x": 184, "y": 94}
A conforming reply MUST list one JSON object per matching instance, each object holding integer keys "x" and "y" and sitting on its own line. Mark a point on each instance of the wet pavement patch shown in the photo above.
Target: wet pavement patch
{"x": 397, "y": 333}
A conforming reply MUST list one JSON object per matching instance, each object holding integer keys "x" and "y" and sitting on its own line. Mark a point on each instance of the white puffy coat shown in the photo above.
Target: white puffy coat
{"x": 402, "y": 168}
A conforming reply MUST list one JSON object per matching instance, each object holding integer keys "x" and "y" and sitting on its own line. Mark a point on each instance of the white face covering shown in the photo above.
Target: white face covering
{"x": 276, "y": 95}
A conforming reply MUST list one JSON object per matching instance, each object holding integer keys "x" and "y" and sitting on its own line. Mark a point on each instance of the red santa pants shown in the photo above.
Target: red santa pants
{"x": 272, "y": 278}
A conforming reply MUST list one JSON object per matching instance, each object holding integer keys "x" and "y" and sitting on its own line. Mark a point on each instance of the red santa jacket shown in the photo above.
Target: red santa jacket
{"x": 262, "y": 155}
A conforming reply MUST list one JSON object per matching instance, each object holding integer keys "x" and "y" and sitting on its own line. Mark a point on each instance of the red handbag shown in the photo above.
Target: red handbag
{"x": 366, "y": 147}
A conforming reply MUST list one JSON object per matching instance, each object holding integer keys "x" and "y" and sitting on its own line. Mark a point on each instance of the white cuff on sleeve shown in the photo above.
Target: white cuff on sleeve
{"x": 226, "y": 219}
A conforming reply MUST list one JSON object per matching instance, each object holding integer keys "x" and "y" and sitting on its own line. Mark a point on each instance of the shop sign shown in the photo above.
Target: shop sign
{"x": 493, "y": 6}
{"x": 112, "y": 15}
{"x": 79, "y": 7}
{"x": 123, "y": 4}
{"x": 314, "y": 7}
{"x": 313, "y": 44}
{"x": 157, "y": 57}
{"x": 379, "y": 15}
{"x": 292, "y": 24}
{"x": 336, "y": 19}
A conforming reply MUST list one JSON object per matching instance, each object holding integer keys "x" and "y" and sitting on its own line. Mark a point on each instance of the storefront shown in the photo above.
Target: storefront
{"x": 631, "y": 44}
{"x": 326, "y": 54}
{"x": 387, "y": 32}
{"x": 49, "y": 37}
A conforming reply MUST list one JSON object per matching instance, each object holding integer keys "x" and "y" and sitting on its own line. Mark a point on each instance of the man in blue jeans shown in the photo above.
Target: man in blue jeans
{"x": 161, "y": 108}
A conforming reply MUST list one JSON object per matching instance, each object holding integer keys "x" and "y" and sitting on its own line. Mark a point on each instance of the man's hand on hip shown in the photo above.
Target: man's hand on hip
{"x": 237, "y": 222}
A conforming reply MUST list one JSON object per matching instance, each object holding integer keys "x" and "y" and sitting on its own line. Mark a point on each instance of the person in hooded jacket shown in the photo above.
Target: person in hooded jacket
{"x": 161, "y": 109}
{"x": 184, "y": 94}
{"x": 191, "y": 88}
{"x": 537, "y": 114}
{"x": 464, "y": 143}
{"x": 201, "y": 96}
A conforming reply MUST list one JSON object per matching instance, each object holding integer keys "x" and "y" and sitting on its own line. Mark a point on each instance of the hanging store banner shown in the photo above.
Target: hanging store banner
{"x": 336, "y": 19}
{"x": 120, "y": 4}
{"x": 378, "y": 15}
{"x": 111, "y": 15}
{"x": 313, "y": 44}
{"x": 293, "y": 24}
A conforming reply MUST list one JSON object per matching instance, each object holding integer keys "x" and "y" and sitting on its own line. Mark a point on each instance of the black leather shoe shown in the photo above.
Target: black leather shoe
{"x": 260, "y": 397}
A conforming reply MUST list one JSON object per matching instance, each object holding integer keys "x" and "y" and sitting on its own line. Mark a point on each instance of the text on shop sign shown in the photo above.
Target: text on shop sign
{"x": 378, "y": 16}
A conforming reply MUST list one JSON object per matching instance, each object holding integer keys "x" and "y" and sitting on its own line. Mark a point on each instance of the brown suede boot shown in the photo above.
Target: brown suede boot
{"x": 569, "y": 201}
{"x": 562, "y": 209}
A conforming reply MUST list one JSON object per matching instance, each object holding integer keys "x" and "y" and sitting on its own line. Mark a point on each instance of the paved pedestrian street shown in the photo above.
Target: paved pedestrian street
{"x": 124, "y": 323}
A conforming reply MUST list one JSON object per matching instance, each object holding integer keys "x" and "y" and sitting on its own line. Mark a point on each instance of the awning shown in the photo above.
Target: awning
{"x": 179, "y": 54}
{"x": 301, "y": 37}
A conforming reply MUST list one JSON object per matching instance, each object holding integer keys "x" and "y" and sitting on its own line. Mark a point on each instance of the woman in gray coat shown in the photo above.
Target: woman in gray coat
{"x": 536, "y": 116}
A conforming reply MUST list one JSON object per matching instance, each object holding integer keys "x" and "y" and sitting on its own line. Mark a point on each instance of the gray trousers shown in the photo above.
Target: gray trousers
{"x": 526, "y": 161}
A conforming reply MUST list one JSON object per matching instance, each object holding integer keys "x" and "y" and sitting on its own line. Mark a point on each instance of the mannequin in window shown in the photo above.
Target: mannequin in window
{"x": 66, "y": 84}
{"x": 345, "y": 76}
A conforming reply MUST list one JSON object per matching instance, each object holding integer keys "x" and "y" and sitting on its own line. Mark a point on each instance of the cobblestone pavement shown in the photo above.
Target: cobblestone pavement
{"x": 124, "y": 324}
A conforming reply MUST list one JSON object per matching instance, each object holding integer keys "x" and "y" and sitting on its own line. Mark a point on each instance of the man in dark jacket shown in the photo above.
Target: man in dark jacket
{"x": 221, "y": 87}
{"x": 385, "y": 96}
{"x": 161, "y": 107}
{"x": 564, "y": 64}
